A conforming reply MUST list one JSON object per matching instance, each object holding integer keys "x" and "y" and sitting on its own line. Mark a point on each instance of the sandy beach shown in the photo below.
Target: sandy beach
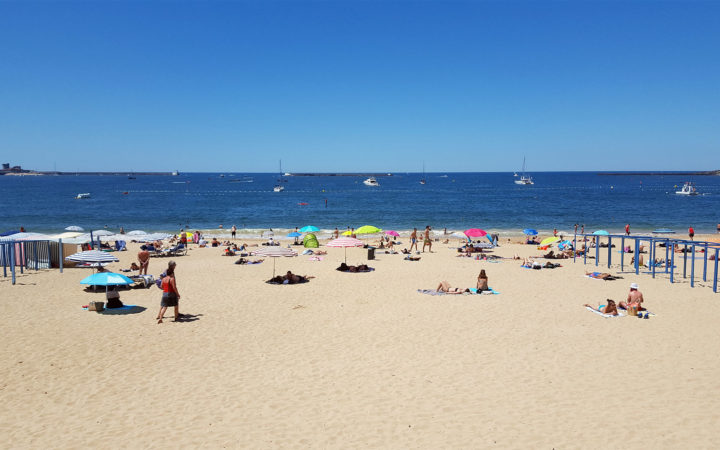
{"x": 360, "y": 360}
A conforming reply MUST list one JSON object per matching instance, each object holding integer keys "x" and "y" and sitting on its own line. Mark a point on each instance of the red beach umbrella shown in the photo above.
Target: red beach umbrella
{"x": 475, "y": 232}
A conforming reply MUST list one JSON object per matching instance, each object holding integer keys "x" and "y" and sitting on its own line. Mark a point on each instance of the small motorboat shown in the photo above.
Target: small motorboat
{"x": 278, "y": 188}
{"x": 687, "y": 189}
{"x": 83, "y": 195}
{"x": 371, "y": 182}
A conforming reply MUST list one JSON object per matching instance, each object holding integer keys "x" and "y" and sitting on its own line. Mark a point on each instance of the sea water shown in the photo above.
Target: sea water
{"x": 456, "y": 201}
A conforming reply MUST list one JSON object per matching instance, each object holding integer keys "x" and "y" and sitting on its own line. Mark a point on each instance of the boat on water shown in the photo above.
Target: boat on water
{"x": 278, "y": 186}
{"x": 175, "y": 173}
{"x": 83, "y": 195}
{"x": 371, "y": 182}
{"x": 524, "y": 179}
{"x": 687, "y": 189}
{"x": 423, "y": 180}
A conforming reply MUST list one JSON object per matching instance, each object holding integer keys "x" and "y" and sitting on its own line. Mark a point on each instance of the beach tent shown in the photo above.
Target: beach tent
{"x": 310, "y": 241}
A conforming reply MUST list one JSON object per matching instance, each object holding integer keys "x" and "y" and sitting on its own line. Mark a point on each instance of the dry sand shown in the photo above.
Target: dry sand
{"x": 360, "y": 360}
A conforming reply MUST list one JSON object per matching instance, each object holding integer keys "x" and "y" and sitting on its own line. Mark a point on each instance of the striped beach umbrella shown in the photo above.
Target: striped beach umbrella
{"x": 345, "y": 242}
{"x": 274, "y": 252}
{"x": 92, "y": 256}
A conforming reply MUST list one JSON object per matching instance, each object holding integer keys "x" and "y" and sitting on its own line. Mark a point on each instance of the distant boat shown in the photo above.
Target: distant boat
{"x": 131, "y": 176}
{"x": 422, "y": 180}
{"x": 279, "y": 187}
{"x": 687, "y": 189}
{"x": 524, "y": 179}
{"x": 83, "y": 195}
{"x": 371, "y": 182}
{"x": 222, "y": 175}
{"x": 175, "y": 173}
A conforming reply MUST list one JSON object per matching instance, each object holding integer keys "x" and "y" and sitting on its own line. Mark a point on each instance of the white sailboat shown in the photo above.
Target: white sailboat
{"x": 422, "y": 180}
{"x": 524, "y": 179}
{"x": 279, "y": 187}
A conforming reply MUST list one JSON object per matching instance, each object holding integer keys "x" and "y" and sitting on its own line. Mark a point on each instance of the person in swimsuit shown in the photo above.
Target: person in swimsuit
{"x": 691, "y": 233}
{"x": 426, "y": 239}
{"x": 482, "y": 281}
{"x": 170, "y": 296}
{"x": 413, "y": 240}
{"x": 445, "y": 287}
{"x": 144, "y": 259}
{"x": 233, "y": 231}
{"x": 627, "y": 230}
{"x": 610, "y": 308}
{"x": 634, "y": 299}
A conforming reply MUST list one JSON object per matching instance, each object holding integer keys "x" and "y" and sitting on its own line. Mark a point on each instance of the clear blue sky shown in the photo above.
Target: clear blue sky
{"x": 351, "y": 86}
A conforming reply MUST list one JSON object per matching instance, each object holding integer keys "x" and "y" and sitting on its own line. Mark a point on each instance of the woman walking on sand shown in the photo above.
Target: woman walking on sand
{"x": 170, "y": 295}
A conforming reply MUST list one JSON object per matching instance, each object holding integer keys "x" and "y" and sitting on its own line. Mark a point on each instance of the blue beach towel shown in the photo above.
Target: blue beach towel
{"x": 490, "y": 292}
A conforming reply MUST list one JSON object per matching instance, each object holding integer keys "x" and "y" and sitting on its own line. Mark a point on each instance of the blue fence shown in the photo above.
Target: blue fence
{"x": 29, "y": 255}
{"x": 661, "y": 254}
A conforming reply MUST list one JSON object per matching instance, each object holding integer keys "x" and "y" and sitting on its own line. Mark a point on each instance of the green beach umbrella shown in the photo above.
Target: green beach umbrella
{"x": 368, "y": 229}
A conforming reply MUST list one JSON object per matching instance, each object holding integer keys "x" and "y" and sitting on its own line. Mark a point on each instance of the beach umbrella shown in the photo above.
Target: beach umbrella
{"x": 274, "y": 252}
{"x": 600, "y": 233}
{"x": 530, "y": 231}
{"x": 9, "y": 233}
{"x": 309, "y": 229}
{"x": 74, "y": 228}
{"x": 367, "y": 229}
{"x": 294, "y": 234}
{"x": 475, "y": 232}
{"x": 550, "y": 240}
{"x": 347, "y": 233}
{"x": 564, "y": 244}
{"x": 102, "y": 233}
{"x": 345, "y": 242}
{"x": 92, "y": 256}
{"x": 136, "y": 233}
{"x": 392, "y": 233}
{"x": 107, "y": 279}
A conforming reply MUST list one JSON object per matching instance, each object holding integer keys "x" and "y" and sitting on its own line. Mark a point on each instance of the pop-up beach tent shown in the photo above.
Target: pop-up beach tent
{"x": 310, "y": 241}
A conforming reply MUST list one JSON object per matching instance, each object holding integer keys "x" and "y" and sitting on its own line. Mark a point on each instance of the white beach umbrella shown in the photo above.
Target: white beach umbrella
{"x": 102, "y": 233}
{"x": 275, "y": 252}
{"x": 74, "y": 228}
{"x": 345, "y": 242}
{"x": 136, "y": 233}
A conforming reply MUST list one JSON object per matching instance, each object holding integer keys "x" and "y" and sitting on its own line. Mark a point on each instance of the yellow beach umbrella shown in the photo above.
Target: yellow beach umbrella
{"x": 550, "y": 240}
{"x": 368, "y": 229}
{"x": 346, "y": 233}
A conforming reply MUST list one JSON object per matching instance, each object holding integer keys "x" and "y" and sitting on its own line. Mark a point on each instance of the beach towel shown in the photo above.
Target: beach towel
{"x": 641, "y": 312}
{"x": 434, "y": 292}
{"x": 595, "y": 275}
{"x": 620, "y": 312}
{"x": 315, "y": 258}
{"x": 491, "y": 291}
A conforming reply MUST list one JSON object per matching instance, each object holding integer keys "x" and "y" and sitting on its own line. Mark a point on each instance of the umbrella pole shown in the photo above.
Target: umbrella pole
{"x": 345, "y": 248}
{"x": 273, "y": 267}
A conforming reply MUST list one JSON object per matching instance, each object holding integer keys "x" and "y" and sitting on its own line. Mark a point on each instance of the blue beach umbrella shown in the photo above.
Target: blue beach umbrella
{"x": 600, "y": 233}
{"x": 309, "y": 229}
{"x": 106, "y": 279}
{"x": 294, "y": 234}
{"x": 530, "y": 231}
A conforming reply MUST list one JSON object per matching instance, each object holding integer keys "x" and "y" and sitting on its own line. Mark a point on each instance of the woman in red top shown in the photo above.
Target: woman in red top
{"x": 170, "y": 295}
{"x": 691, "y": 233}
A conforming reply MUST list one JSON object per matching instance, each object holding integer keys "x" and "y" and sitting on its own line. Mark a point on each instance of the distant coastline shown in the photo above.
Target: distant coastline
{"x": 25, "y": 172}
{"x": 703, "y": 173}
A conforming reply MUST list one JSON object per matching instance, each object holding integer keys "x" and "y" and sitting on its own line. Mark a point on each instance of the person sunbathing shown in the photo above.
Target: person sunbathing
{"x": 228, "y": 252}
{"x": 601, "y": 276}
{"x": 445, "y": 287}
{"x": 412, "y": 258}
{"x": 610, "y": 308}
{"x": 320, "y": 252}
{"x": 291, "y": 278}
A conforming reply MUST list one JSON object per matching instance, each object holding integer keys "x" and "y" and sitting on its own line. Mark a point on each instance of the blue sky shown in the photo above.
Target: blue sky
{"x": 360, "y": 86}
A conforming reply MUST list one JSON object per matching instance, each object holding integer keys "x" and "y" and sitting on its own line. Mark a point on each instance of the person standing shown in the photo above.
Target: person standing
{"x": 627, "y": 229}
{"x": 582, "y": 229}
{"x": 555, "y": 232}
{"x": 413, "y": 240}
{"x": 144, "y": 259}
{"x": 233, "y": 231}
{"x": 170, "y": 295}
{"x": 426, "y": 239}
{"x": 691, "y": 233}
{"x": 336, "y": 233}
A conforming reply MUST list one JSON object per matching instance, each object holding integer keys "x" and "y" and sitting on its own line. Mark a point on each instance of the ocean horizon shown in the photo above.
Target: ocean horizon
{"x": 452, "y": 200}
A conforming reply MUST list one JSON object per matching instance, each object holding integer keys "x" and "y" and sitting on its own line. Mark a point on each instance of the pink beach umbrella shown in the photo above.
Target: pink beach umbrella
{"x": 392, "y": 233}
{"x": 475, "y": 232}
{"x": 345, "y": 242}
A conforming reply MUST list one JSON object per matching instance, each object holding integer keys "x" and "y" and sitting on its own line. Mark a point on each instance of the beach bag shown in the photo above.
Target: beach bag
{"x": 96, "y": 306}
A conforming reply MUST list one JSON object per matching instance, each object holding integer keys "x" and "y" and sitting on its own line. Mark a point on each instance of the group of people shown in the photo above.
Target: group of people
{"x": 481, "y": 285}
{"x": 633, "y": 302}
{"x": 427, "y": 241}
{"x": 290, "y": 278}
